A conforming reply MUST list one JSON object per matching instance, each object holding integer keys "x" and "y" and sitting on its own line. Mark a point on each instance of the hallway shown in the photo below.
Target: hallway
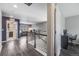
{"x": 18, "y": 48}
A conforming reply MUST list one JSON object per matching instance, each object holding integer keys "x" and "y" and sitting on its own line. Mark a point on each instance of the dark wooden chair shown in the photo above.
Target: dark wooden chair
{"x": 64, "y": 41}
{"x": 72, "y": 38}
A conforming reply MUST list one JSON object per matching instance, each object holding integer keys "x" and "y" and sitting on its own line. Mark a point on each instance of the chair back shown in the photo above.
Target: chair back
{"x": 75, "y": 37}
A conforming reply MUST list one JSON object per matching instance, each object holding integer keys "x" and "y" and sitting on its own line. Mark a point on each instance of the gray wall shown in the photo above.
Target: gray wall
{"x": 60, "y": 25}
{"x": 0, "y": 25}
{"x": 0, "y": 30}
{"x": 72, "y": 25}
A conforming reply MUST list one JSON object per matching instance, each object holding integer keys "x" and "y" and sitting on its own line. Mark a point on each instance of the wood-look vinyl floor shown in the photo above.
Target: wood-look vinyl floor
{"x": 14, "y": 48}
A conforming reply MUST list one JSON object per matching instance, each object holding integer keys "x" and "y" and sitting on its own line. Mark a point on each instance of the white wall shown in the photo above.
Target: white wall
{"x": 34, "y": 26}
{"x": 60, "y": 25}
{"x": 38, "y": 26}
{"x": 72, "y": 25}
{"x": 42, "y": 26}
{"x": 23, "y": 27}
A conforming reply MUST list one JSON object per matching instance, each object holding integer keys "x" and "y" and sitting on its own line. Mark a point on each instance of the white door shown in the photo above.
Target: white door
{"x": 11, "y": 30}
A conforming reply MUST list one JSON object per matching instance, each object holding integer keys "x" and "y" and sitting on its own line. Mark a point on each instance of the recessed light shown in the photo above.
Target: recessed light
{"x": 15, "y": 6}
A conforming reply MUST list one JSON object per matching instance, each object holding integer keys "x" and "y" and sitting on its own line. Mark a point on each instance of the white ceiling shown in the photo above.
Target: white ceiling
{"x": 37, "y": 12}
{"x": 69, "y": 9}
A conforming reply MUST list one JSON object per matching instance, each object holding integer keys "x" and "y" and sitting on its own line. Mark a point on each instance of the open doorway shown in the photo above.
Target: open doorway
{"x": 67, "y": 29}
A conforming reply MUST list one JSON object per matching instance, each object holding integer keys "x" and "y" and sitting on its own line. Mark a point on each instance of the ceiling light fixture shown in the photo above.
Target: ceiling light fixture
{"x": 15, "y": 6}
{"x": 29, "y": 4}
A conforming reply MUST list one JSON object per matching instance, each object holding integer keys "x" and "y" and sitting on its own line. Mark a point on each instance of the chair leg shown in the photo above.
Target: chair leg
{"x": 71, "y": 43}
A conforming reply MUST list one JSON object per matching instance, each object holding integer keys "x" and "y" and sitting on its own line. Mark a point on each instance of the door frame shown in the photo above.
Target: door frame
{"x": 51, "y": 17}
